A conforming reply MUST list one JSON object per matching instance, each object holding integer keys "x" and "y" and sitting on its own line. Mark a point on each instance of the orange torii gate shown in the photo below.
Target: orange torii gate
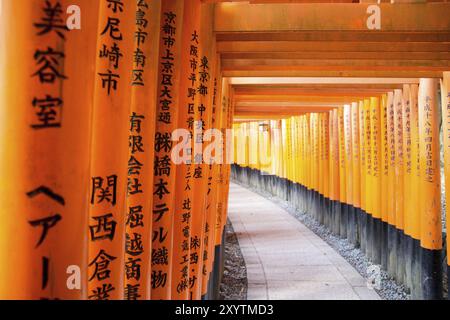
{"x": 394, "y": 140}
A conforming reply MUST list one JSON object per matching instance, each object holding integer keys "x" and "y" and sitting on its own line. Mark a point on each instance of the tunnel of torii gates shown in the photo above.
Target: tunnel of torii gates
{"x": 341, "y": 105}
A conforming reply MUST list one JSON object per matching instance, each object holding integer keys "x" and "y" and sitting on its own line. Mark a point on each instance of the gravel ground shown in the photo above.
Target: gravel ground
{"x": 390, "y": 290}
{"x": 234, "y": 280}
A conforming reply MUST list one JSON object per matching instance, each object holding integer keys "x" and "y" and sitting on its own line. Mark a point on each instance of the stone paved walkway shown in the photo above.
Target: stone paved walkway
{"x": 285, "y": 260}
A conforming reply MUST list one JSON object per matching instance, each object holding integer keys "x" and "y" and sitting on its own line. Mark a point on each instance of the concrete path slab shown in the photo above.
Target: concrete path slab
{"x": 285, "y": 260}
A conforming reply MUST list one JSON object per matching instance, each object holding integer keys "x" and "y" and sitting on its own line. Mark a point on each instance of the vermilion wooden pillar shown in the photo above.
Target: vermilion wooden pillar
{"x": 392, "y": 228}
{"x": 168, "y": 94}
{"x": 351, "y": 221}
{"x": 216, "y": 141}
{"x": 362, "y": 152}
{"x": 335, "y": 163}
{"x": 139, "y": 214}
{"x": 46, "y": 91}
{"x": 416, "y": 290}
{"x": 445, "y": 95}
{"x": 342, "y": 173}
{"x": 406, "y": 123}
{"x": 325, "y": 167}
{"x": 228, "y": 121}
{"x": 384, "y": 176}
{"x": 430, "y": 190}
{"x": 375, "y": 123}
{"x": 399, "y": 183}
{"x": 184, "y": 189}
{"x": 331, "y": 170}
{"x": 225, "y": 105}
{"x": 407, "y": 184}
{"x": 368, "y": 195}
{"x": 109, "y": 155}
{"x": 202, "y": 116}
{"x": 356, "y": 165}
{"x": 320, "y": 162}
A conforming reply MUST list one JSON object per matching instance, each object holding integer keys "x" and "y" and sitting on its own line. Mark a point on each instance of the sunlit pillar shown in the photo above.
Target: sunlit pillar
{"x": 430, "y": 190}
